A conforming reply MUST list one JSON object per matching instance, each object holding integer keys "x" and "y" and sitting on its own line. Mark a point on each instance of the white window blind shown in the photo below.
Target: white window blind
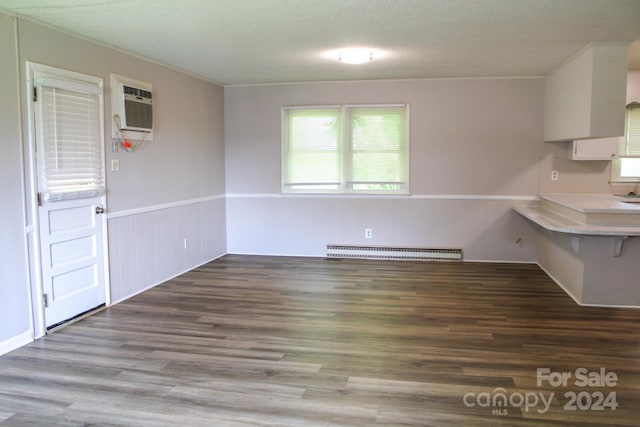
{"x": 627, "y": 167}
{"x": 70, "y": 139}
{"x": 631, "y": 142}
{"x": 378, "y": 151}
{"x": 354, "y": 149}
{"x": 312, "y": 149}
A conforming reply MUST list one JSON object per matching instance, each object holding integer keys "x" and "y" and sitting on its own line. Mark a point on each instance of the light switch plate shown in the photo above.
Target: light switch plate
{"x": 115, "y": 165}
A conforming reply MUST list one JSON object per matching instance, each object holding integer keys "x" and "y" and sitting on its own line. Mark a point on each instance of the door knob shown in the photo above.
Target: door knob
{"x": 99, "y": 210}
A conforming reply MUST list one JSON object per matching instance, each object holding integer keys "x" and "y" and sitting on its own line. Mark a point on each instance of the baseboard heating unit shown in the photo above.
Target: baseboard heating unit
{"x": 393, "y": 253}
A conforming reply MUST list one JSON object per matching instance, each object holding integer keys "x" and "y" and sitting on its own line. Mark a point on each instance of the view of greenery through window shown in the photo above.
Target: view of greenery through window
{"x": 367, "y": 153}
{"x": 377, "y": 151}
{"x": 314, "y": 151}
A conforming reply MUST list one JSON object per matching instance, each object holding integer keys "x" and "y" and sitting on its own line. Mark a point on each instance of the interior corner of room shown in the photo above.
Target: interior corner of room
{"x": 208, "y": 183}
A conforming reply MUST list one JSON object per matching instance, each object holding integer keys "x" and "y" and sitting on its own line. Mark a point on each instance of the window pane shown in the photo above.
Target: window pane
{"x": 314, "y": 187}
{"x": 378, "y": 149}
{"x": 314, "y": 133}
{"x": 378, "y": 187}
{"x": 629, "y": 168}
{"x": 373, "y": 156}
{"x": 312, "y": 147}
{"x": 313, "y": 167}
{"x": 376, "y": 132}
{"x": 377, "y": 167}
{"x": 632, "y": 130}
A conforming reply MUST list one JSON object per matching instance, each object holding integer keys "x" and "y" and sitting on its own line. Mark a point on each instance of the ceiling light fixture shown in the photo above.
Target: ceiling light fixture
{"x": 355, "y": 55}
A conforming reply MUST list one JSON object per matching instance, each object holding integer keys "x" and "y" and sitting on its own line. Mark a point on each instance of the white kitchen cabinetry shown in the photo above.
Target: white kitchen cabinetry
{"x": 585, "y": 97}
{"x": 594, "y": 149}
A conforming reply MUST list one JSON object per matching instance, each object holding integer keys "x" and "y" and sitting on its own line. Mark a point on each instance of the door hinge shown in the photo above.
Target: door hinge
{"x": 45, "y": 300}
{"x": 35, "y": 94}
{"x": 39, "y": 198}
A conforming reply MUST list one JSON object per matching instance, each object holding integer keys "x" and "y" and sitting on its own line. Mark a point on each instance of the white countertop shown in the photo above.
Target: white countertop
{"x": 555, "y": 220}
{"x": 593, "y": 203}
{"x": 561, "y": 224}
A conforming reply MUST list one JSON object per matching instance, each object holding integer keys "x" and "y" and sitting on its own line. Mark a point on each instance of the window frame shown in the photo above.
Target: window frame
{"x": 285, "y": 147}
{"x": 616, "y": 164}
{"x": 345, "y": 150}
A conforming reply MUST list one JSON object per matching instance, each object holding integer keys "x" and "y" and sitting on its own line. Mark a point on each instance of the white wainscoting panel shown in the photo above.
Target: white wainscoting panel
{"x": 484, "y": 227}
{"x": 146, "y": 247}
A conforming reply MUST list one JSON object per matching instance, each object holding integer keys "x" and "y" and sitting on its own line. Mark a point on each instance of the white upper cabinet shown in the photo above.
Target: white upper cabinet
{"x": 585, "y": 97}
{"x": 595, "y": 149}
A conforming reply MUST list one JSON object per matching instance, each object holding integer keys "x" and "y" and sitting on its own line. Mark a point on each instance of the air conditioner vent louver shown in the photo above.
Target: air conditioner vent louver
{"x": 393, "y": 253}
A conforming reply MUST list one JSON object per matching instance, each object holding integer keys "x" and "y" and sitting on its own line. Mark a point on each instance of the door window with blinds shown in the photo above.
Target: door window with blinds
{"x": 346, "y": 149}
{"x": 69, "y": 136}
{"x": 626, "y": 168}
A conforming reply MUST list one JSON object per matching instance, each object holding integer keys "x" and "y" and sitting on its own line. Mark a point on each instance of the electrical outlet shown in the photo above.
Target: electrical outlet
{"x": 554, "y": 175}
{"x": 368, "y": 233}
{"x": 186, "y": 243}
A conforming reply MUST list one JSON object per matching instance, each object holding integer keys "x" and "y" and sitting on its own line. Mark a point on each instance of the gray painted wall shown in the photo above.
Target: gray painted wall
{"x": 171, "y": 189}
{"x": 14, "y": 296}
{"x": 185, "y": 159}
{"x": 470, "y": 138}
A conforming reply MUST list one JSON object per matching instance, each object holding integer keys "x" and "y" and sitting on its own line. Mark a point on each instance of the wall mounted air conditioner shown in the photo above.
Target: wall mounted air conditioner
{"x": 132, "y": 108}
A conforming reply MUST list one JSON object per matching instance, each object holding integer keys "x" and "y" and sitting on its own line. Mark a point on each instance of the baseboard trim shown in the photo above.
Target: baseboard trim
{"x": 16, "y": 342}
{"x": 631, "y": 307}
{"x": 479, "y": 261}
{"x": 496, "y": 261}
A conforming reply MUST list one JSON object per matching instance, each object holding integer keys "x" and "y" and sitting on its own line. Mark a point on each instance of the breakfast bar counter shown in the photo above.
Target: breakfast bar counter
{"x": 586, "y": 214}
{"x": 589, "y": 245}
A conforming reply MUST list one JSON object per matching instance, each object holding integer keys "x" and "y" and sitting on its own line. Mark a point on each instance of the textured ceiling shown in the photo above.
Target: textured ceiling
{"x": 269, "y": 41}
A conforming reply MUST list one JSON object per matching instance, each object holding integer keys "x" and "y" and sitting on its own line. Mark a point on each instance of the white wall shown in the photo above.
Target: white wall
{"x": 479, "y": 140}
{"x": 171, "y": 189}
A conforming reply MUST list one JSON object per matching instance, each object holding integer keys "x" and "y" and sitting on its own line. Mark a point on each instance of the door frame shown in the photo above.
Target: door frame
{"x": 39, "y": 327}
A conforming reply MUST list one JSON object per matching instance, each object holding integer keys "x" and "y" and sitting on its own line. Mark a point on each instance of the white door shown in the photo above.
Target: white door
{"x": 72, "y": 257}
{"x": 69, "y": 135}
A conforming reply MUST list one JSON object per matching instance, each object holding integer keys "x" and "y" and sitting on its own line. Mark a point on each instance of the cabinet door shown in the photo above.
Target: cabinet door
{"x": 595, "y": 149}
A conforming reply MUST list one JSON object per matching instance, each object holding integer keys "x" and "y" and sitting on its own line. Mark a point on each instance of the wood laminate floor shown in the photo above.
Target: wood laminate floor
{"x": 248, "y": 340}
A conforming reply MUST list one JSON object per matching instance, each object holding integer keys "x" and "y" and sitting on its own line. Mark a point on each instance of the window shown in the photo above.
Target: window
{"x": 346, "y": 149}
{"x": 69, "y": 139}
{"x": 627, "y": 166}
